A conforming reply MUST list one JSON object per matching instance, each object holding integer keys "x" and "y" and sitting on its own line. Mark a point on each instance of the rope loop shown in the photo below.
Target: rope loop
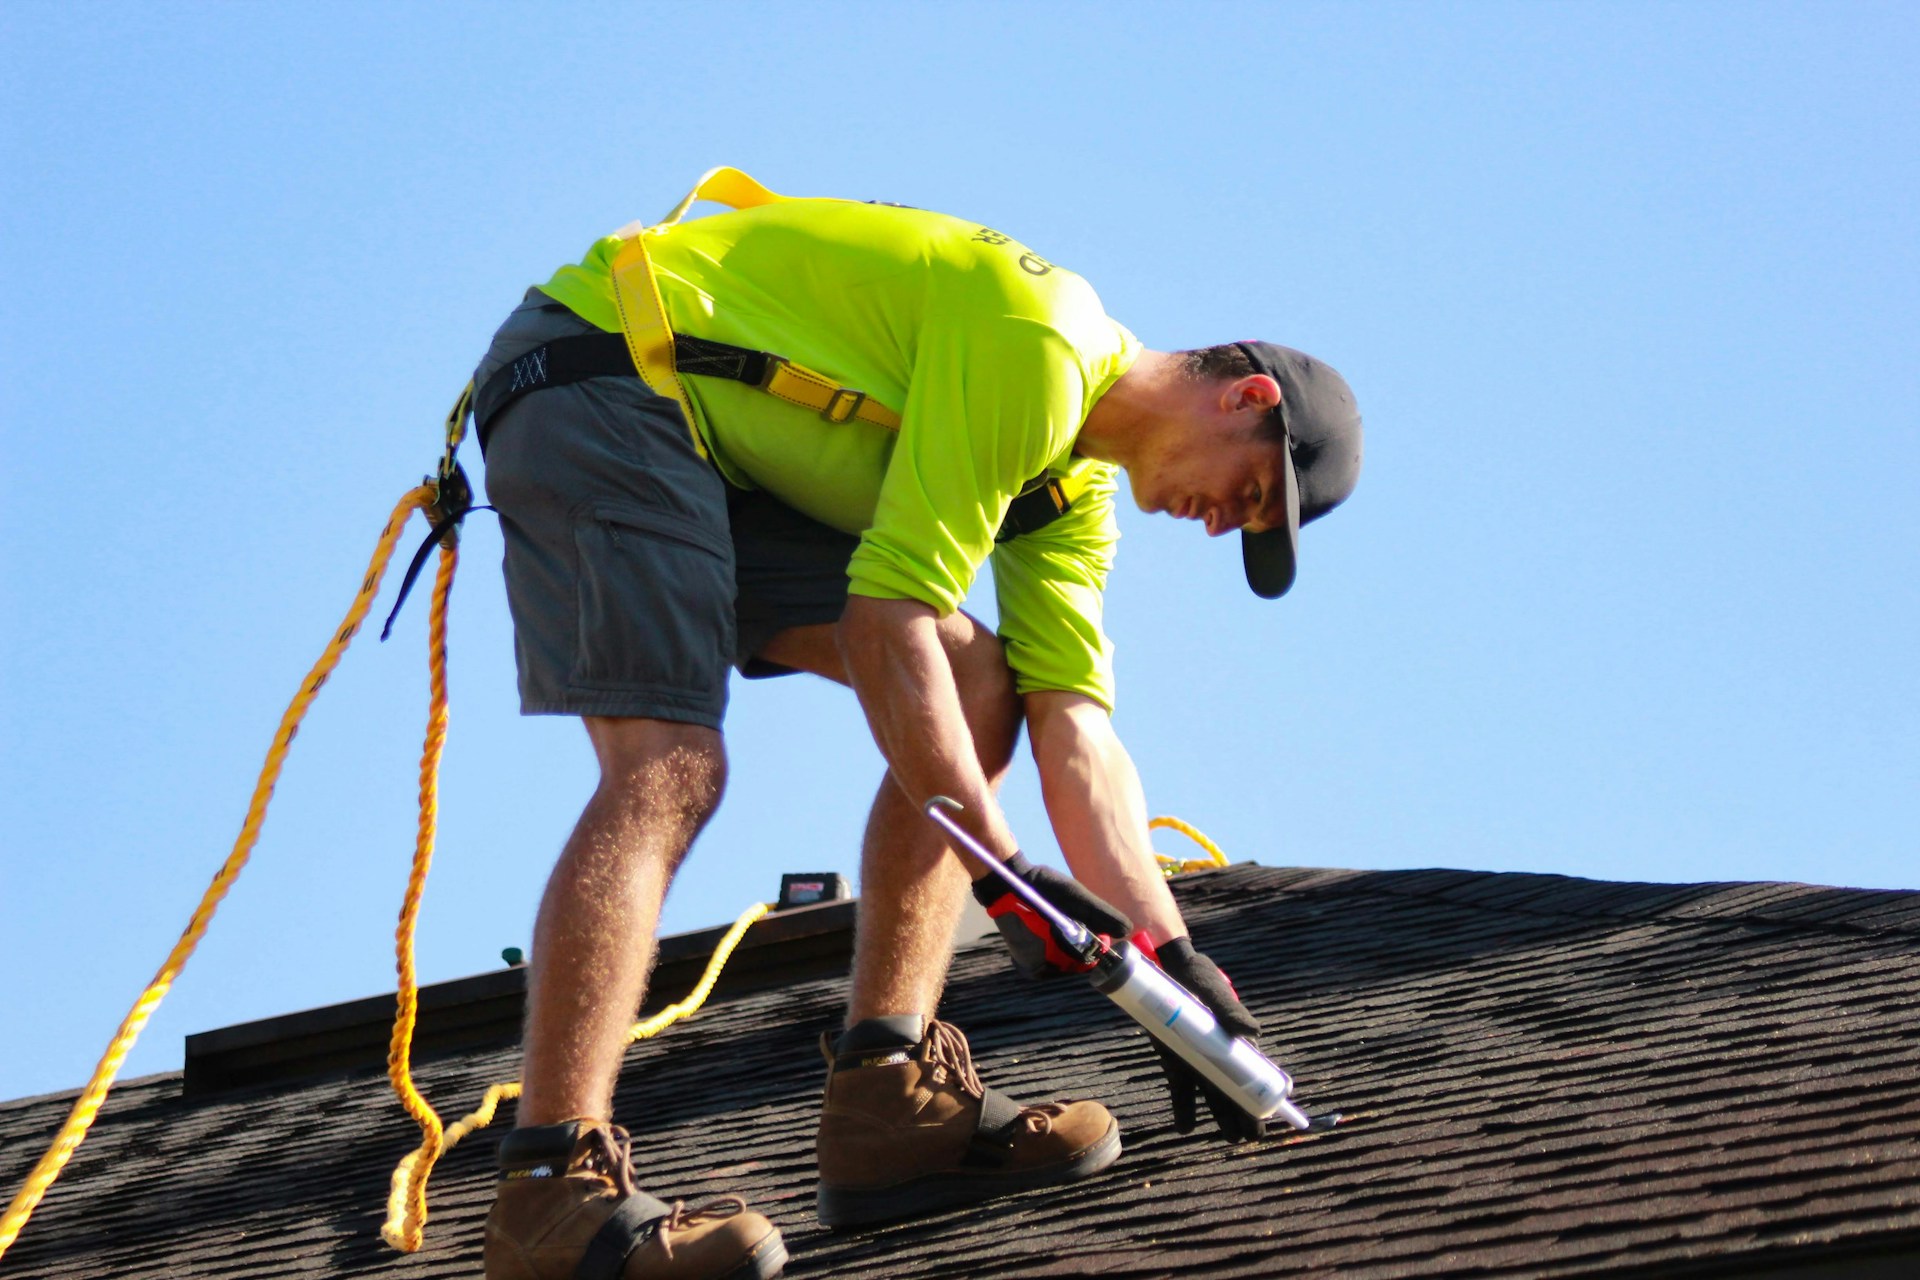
{"x": 1171, "y": 867}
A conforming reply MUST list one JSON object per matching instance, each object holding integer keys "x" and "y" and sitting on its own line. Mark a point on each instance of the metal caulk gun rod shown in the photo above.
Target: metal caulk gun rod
{"x": 1072, "y": 930}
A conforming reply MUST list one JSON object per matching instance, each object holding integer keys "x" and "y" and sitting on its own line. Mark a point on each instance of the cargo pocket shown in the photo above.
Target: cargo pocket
{"x": 655, "y": 604}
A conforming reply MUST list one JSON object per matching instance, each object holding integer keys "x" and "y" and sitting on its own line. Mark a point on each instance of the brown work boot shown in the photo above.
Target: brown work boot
{"x": 566, "y": 1207}
{"x": 908, "y": 1127}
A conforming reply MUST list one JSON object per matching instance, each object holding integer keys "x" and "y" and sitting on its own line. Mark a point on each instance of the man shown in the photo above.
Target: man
{"x": 870, "y": 401}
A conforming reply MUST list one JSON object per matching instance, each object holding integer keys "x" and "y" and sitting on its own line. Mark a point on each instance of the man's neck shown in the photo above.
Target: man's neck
{"x": 1122, "y": 422}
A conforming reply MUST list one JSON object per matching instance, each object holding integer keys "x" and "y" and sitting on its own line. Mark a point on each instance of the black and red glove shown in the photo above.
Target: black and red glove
{"x": 1038, "y": 949}
{"x": 1203, "y": 978}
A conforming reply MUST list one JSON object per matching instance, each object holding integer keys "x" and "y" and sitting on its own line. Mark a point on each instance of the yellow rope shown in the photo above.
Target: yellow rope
{"x": 399, "y": 1049}
{"x": 406, "y": 1199}
{"x": 702, "y": 989}
{"x": 1171, "y": 867}
{"x": 81, "y": 1118}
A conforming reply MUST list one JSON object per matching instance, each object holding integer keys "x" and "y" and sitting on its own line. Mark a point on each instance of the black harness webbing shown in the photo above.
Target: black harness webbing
{"x": 605, "y": 355}
{"x": 557, "y": 363}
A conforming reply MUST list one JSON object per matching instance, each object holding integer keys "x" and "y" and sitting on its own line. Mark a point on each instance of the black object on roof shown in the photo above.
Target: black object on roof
{"x": 1542, "y": 1076}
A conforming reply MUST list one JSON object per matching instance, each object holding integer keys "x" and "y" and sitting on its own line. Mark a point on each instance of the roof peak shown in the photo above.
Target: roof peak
{"x": 1777, "y": 904}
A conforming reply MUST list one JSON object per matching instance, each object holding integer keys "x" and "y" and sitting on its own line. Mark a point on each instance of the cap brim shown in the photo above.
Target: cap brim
{"x": 1272, "y": 556}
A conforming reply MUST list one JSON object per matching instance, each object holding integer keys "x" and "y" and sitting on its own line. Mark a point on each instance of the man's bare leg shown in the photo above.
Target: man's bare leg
{"x": 902, "y": 1105}
{"x": 593, "y": 941}
{"x": 565, "y": 1174}
{"x": 911, "y": 886}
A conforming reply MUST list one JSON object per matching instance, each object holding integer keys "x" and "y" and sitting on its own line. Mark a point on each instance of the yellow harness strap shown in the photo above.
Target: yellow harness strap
{"x": 650, "y": 337}
{"x": 644, "y": 321}
{"x": 802, "y": 386}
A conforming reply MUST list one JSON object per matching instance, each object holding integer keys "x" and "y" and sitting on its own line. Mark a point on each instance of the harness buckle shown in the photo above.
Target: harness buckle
{"x": 843, "y": 405}
{"x": 772, "y": 365}
{"x": 452, "y": 495}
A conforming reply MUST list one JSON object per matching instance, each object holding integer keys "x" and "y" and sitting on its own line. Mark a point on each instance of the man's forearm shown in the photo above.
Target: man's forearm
{"x": 1098, "y": 809}
{"x": 905, "y": 683}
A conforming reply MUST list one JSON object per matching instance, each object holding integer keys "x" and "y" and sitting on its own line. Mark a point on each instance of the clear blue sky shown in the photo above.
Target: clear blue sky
{"x": 1628, "y": 293}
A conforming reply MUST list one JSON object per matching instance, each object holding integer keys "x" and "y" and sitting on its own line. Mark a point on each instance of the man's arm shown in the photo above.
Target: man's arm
{"x": 1100, "y": 818}
{"x": 905, "y": 683}
{"x": 1098, "y": 810}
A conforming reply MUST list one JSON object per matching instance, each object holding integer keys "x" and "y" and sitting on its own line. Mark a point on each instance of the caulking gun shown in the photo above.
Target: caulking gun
{"x": 1169, "y": 1012}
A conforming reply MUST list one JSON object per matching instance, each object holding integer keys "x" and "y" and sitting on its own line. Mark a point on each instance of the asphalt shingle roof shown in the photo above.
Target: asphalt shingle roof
{"x": 1541, "y": 1076}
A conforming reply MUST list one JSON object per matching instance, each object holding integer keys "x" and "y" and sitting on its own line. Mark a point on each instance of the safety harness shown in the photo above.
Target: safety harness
{"x": 649, "y": 350}
{"x": 1040, "y": 502}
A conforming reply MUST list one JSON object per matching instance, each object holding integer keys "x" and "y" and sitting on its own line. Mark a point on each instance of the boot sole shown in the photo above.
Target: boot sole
{"x": 848, "y": 1207}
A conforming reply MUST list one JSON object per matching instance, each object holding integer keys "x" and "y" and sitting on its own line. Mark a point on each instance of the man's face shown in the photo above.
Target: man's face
{"x": 1217, "y": 467}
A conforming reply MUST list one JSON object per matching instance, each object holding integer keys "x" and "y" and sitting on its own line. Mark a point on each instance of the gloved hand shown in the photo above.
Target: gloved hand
{"x": 1038, "y": 949}
{"x": 1202, "y": 977}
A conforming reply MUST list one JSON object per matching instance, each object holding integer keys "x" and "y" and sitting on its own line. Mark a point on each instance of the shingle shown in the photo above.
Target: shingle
{"x": 1543, "y": 1076}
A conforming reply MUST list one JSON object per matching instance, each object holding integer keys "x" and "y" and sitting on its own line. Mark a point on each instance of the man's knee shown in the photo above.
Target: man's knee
{"x": 660, "y": 769}
{"x": 980, "y": 674}
{"x": 985, "y": 684}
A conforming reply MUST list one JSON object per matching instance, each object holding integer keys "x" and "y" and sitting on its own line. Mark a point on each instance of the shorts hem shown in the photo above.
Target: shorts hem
{"x": 629, "y": 708}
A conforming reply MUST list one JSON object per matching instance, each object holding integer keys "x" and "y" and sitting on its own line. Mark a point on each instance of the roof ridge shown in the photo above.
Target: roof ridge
{"x": 1774, "y": 904}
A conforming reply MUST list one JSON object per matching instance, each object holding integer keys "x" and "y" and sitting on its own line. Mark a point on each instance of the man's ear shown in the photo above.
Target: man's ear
{"x": 1256, "y": 391}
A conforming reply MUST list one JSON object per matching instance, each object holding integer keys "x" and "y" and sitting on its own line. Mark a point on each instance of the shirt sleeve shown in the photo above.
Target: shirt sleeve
{"x": 989, "y": 405}
{"x": 1050, "y": 585}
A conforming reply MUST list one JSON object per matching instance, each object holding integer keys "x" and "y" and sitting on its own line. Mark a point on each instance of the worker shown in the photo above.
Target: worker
{"x": 870, "y": 403}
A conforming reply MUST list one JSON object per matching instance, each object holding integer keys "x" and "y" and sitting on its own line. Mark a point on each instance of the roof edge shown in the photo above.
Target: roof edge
{"x": 484, "y": 1010}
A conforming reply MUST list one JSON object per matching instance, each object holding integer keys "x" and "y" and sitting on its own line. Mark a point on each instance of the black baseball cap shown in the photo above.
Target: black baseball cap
{"x": 1321, "y": 460}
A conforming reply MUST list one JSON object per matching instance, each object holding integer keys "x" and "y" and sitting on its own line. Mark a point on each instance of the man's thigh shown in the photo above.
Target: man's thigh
{"x": 618, "y": 562}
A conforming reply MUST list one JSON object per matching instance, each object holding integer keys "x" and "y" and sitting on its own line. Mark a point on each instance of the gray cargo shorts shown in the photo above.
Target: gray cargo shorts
{"x": 636, "y": 575}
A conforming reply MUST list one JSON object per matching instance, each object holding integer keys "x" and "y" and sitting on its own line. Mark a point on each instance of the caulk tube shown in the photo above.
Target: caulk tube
{"x": 1171, "y": 1013}
{"x": 1176, "y": 1018}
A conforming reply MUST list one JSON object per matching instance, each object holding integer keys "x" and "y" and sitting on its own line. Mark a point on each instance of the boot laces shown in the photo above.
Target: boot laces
{"x": 948, "y": 1051}
{"x": 680, "y": 1217}
{"x": 609, "y": 1154}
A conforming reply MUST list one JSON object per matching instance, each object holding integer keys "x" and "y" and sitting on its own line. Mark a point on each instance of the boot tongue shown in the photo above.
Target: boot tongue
{"x": 896, "y": 1031}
